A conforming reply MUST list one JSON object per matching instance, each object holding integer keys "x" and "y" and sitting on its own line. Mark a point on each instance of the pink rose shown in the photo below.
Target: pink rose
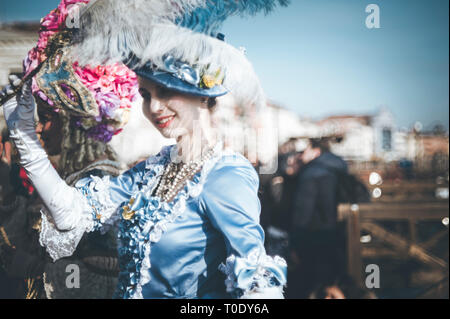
{"x": 113, "y": 86}
{"x": 88, "y": 76}
{"x": 50, "y": 22}
{"x": 105, "y": 84}
{"x": 126, "y": 90}
{"x": 125, "y": 103}
{"x": 100, "y": 70}
{"x": 44, "y": 36}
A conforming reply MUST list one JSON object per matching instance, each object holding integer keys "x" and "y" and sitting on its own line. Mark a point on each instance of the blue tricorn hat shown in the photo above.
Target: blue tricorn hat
{"x": 181, "y": 77}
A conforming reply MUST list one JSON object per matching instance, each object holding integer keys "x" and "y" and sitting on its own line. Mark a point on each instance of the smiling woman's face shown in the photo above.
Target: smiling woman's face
{"x": 171, "y": 112}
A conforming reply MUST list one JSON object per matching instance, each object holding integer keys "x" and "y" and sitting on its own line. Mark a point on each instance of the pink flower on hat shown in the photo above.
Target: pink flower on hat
{"x": 114, "y": 86}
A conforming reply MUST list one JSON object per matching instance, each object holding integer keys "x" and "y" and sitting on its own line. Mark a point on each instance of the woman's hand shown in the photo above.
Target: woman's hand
{"x": 19, "y": 111}
{"x": 61, "y": 200}
{"x": 9, "y": 89}
{"x": 19, "y": 116}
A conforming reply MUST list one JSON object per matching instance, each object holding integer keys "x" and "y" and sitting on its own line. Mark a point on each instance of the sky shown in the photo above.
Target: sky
{"x": 318, "y": 58}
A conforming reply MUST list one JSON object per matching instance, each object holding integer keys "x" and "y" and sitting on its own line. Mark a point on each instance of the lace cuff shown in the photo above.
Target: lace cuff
{"x": 95, "y": 210}
{"x": 59, "y": 243}
{"x": 255, "y": 276}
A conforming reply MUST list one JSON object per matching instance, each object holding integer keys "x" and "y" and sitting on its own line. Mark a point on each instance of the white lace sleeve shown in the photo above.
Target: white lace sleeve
{"x": 59, "y": 243}
{"x": 256, "y": 276}
{"x": 92, "y": 205}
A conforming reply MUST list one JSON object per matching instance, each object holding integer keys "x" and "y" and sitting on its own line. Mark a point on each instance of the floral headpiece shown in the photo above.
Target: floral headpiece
{"x": 99, "y": 97}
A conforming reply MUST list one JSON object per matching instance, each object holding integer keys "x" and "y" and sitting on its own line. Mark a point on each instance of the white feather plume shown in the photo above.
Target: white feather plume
{"x": 113, "y": 30}
{"x": 196, "y": 48}
{"x": 110, "y": 29}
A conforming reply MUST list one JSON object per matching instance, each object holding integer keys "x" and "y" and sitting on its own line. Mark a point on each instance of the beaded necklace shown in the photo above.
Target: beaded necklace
{"x": 176, "y": 174}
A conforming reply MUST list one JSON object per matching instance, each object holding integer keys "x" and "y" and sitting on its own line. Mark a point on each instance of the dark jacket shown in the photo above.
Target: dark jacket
{"x": 314, "y": 234}
{"x": 315, "y": 201}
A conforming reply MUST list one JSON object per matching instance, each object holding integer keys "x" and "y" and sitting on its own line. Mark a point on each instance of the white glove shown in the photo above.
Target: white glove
{"x": 55, "y": 193}
{"x": 19, "y": 116}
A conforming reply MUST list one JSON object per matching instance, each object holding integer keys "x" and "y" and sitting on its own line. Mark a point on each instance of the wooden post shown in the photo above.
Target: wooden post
{"x": 353, "y": 245}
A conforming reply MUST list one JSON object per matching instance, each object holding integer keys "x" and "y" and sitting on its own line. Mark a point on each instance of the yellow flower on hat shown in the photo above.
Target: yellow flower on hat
{"x": 208, "y": 81}
{"x": 211, "y": 80}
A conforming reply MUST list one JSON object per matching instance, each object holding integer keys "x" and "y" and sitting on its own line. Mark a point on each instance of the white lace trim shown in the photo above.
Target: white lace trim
{"x": 260, "y": 279}
{"x": 60, "y": 244}
{"x": 99, "y": 190}
{"x": 265, "y": 293}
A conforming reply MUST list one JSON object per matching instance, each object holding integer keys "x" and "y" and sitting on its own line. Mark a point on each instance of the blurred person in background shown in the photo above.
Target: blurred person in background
{"x": 5, "y": 163}
{"x": 277, "y": 193}
{"x": 26, "y": 270}
{"x": 5, "y": 147}
{"x": 316, "y": 250}
{"x": 78, "y": 113}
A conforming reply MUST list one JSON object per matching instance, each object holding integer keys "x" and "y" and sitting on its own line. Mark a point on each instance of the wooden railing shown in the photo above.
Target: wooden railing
{"x": 369, "y": 218}
{"x": 407, "y": 191}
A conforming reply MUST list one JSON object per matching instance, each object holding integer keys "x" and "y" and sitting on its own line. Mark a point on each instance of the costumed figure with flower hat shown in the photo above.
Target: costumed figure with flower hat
{"x": 188, "y": 217}
{"x": 79, "y": 110}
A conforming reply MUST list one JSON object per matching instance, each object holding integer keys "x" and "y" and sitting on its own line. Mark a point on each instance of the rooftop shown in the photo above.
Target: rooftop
{"x": 19, "y": 31}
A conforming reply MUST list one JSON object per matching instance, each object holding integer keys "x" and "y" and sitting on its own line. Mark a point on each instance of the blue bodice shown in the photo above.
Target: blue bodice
{"x": 206, "y": 243}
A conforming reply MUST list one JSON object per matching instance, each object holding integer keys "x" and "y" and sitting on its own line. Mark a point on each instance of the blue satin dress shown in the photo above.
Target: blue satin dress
{"x": 206, "y": 243}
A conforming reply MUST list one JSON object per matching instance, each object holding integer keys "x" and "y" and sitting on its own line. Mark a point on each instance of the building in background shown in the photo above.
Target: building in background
{"x": 15, "y": 42}
{"x": 367, "y": 137}
{"x": 430, "y": 152}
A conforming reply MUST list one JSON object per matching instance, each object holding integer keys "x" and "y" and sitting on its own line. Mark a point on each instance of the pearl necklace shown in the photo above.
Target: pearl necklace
{"x": 176, "y": 174}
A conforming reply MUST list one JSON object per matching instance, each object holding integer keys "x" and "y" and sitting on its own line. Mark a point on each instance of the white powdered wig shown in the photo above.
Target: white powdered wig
{"x": 112, "y": 35}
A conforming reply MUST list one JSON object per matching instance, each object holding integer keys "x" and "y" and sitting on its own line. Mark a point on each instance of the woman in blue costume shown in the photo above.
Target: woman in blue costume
{"x": 188, "y": 218}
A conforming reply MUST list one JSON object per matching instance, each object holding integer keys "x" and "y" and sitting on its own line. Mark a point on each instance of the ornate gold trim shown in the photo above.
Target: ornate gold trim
{"x": 5, "y": 237}
{"x": 86, "y": 106}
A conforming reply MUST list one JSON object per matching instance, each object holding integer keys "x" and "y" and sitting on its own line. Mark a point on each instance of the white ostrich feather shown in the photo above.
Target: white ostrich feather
{"x": 109, "y": 29}
{"x": 114, "y": 30}
{"x": 196, "y": 48}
